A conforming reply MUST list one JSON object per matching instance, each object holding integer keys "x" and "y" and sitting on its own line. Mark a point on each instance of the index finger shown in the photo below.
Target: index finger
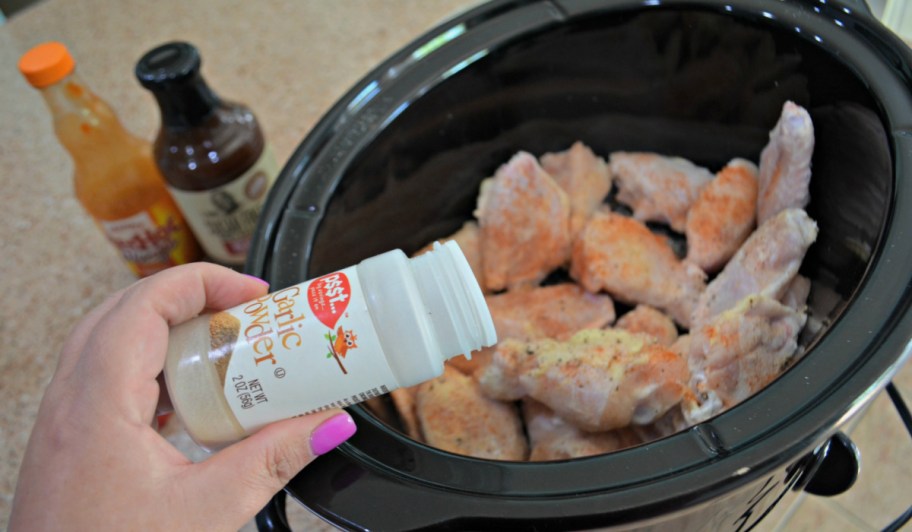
{"x": 130, "y": 342}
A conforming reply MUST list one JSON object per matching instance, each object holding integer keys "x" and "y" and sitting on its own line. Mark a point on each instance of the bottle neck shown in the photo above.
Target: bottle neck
{"x": 453, "y": 299}
{"x": 186, "y": 104}
{"x": 70, "y": 96}
{"x": 84, "y": 123}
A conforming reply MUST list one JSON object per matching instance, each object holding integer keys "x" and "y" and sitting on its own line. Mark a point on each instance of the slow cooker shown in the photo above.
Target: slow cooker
{"x": 397, "y": 163}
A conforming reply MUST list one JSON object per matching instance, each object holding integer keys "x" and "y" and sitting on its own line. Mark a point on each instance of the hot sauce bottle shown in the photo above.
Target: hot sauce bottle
{"x": 115, "y": 178}
{"x": 212, "y": 152}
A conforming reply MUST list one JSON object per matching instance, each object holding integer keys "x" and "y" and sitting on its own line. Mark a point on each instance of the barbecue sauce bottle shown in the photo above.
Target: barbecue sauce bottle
{"x": 211, "y": 152}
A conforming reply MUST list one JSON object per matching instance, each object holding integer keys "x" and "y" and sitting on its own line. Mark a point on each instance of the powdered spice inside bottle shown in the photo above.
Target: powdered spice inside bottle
{"x": 330, "y": 342}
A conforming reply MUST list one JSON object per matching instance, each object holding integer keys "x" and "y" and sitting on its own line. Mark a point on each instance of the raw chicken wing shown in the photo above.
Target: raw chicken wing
{"x": 524, "y": 218}
{"x": 552, "y": 438}
{"x": 555, "y": 311}
{"x": 723, "y": 216}
{"x": 584, "y": 176}
{"x": 785, "y": 163}
{"x": 404, "y": 401}
{"x": 598, "y": 380}
{"x": 797, "y": 292}
{"x": 739, "y": 352}
{"x": 764, "y": 265}
{"x": 658, "y": 188}
{"x": 456, "y": 417}
{"x": 622, "y": 256}
{"x": 647, "y": 320}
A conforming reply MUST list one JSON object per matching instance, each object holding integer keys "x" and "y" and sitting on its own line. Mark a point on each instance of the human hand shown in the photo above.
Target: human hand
{"x": 93, "y": 459}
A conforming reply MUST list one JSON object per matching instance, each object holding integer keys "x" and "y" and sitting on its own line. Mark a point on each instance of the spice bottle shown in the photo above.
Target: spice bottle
{"x": 115, "y": 178}
{"x": 333, "y": 341}
{"x": 212, "y": 152}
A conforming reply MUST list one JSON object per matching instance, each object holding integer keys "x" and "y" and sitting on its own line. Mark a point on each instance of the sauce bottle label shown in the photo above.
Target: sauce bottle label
{"x": 153, "y": 239}
{"x": 224, "y": 218}
{"x": 303, "y": 349}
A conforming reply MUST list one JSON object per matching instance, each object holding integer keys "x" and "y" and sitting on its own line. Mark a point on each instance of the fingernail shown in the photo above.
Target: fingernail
{"x": 257, "y": 279}
{"x": 331, "y": 433}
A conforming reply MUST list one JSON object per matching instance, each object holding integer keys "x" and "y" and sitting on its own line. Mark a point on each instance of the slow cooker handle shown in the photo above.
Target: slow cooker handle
{"x": 834, "y": 467}
{"x": 272, "y": 518}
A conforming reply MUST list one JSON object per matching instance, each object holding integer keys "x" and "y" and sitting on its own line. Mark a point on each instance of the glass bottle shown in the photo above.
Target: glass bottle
{"x": 114, "y": 176}
{"x": 212, "y": 152}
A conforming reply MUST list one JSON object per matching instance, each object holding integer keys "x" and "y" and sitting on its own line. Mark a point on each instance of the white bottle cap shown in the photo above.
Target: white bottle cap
{"x": 455, "y": 304}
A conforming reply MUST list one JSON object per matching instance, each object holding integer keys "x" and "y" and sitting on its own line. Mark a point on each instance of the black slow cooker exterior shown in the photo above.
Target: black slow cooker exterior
{"x": 397, "y": 162}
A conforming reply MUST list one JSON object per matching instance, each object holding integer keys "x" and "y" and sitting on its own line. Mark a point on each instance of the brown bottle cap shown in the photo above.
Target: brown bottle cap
{"x": 46, "y": 64}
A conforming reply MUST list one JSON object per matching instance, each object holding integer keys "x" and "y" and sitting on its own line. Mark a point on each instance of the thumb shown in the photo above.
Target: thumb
{"x": 239, "y": 480}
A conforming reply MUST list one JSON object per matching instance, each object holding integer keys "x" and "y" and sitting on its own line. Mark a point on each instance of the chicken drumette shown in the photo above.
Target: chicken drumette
{"x": 785, "y": 163}
{"x": 524, "y": 218}
{"x": 584, "y": 176}
{"x": 622, "y": 256}
{"x": 764, "y": 265}
{"x": 723, "y": 216}
{"x": 598, "y": 380}
{"x": 658, "y": 188}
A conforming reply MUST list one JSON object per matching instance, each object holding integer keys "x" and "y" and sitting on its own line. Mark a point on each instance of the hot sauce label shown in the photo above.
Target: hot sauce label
{"x": 303, "y": 349}
{"x": 152, "y": 240}
{"x": 225, "y": 218}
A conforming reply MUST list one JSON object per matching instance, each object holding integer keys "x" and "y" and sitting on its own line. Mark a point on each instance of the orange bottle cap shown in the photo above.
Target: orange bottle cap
{"x": 46, "y": 64}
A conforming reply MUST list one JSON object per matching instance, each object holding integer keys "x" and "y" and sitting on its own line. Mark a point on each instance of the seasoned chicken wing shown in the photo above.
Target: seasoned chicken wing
{"x": 797, "y": 292}
{"x": 598, "y": 380}
{"x": 524, "y": 220}
{"x": 764, "y": 265}
{"x": 584, "y": 176}
{"x": 658, "y": 188}
{"x": 651, "y": 321}
{"x": 622, "y": 256}
{"x": 785, "y": 163}
{"x": 555, "y": 311}
{"x": 404, "y": 401}
{"x": 468, "y": 240}
{"x": 552, "y": 438}
{"x": 739, "y": 352}
{"x": 723, "y": 216}
{"x": 456, "y": 417}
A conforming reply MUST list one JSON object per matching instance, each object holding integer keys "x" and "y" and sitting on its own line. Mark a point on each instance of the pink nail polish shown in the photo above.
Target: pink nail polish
{"x": 257, "y": 279}
{"x": 331, "y": 433}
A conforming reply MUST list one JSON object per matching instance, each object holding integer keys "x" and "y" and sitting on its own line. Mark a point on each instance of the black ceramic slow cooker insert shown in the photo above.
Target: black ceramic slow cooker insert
{"x": 397, "y": 162}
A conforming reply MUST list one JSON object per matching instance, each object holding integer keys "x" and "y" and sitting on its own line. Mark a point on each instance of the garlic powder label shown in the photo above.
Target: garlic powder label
{"x": 316, "y": 339}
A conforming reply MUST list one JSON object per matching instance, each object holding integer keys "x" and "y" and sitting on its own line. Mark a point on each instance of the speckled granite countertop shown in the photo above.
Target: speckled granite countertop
{"x": 289, "y": 61}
